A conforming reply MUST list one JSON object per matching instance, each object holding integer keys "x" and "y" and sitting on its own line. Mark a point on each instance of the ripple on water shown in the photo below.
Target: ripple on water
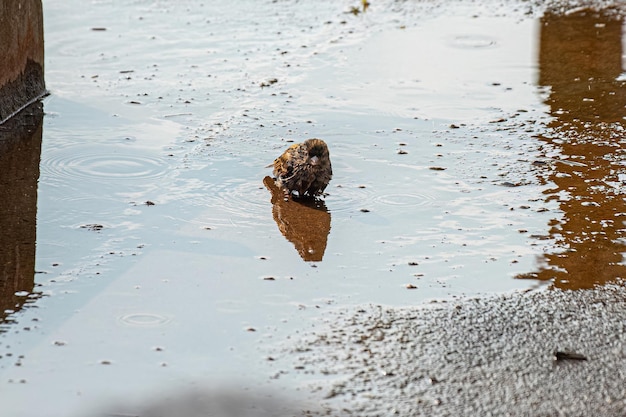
{"x": 237, "y": 200}
{"x": 472, "y": 41}
{"x": 144, "y": 320}
{"x": 248, "y": 201}
{"x": 355, "y": 198}
{"x": 79, "y": 162}
{"x": 404, "y": 199}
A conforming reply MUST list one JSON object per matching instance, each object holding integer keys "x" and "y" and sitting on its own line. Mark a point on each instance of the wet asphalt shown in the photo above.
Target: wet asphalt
{"x": 533, "y": 353}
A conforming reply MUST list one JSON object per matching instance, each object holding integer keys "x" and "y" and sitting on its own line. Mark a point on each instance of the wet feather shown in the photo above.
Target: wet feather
{"x": 304, "y": 168}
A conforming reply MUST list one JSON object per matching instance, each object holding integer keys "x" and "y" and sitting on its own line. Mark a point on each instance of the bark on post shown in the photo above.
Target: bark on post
{"x": 21, "y": 55}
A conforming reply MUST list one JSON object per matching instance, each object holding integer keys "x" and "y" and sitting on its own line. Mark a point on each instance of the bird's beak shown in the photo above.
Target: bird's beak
{"x": 314, "y": 160}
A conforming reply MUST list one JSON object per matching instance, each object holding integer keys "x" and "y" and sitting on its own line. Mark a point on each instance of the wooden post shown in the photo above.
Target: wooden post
{"x": 21, "y": 55}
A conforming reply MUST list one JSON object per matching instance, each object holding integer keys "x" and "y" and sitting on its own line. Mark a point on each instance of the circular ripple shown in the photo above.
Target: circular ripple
{"x": 355, "y": 198}
{"x": 144, "y": 320}
{"x": 344, "y": 197}
{"x": 77, "y": 163}
{"x": 247, "y": 201}
{"x": 412, "y": 200}
{"x": 235, "y": 201}
{"x": 472, "y": 41}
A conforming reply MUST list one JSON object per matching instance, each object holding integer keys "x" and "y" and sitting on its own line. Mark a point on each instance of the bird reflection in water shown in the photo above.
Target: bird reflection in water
{"x": 305, "y": 222}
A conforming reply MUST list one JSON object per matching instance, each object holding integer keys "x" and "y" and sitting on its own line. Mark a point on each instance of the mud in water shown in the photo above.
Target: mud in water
{"x": 468, "y": 160}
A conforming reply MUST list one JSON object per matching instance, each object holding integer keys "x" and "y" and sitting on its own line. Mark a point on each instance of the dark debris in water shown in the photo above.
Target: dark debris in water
{"x": 268, "y": 82}
{"x": 510, "y": 184}
{"x": 93, "y": 227}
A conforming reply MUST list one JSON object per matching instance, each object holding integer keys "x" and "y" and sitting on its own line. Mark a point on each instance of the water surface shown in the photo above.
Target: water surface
{"x": 162, "y": 262}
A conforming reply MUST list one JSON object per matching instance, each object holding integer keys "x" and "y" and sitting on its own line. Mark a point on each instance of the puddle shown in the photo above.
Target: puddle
{"x": 94, "y": 164}
{"x": 144, "y": 319}
{"x": 464, "y": 159}
{"x": 20, "y": 147}
{"x": 586, "y": 99}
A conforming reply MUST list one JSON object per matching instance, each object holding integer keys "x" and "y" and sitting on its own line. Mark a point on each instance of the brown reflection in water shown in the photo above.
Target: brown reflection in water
{"x": 20, "y": 149}
{"x": 304, "y": 222}
{"x": 580, "y": 61}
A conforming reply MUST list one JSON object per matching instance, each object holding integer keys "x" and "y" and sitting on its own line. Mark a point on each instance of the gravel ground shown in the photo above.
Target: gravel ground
{"x": 472, "y": 357}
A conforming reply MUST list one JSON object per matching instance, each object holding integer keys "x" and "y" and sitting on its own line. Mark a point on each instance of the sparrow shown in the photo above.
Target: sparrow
{"x": 304, "y": 168}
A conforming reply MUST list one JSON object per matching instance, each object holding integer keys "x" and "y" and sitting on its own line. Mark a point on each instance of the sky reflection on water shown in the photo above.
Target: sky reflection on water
{"x": 447, "y": 181}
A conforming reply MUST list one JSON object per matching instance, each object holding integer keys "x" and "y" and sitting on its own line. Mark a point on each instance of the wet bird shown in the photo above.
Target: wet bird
{"x": 304, "y": 168}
